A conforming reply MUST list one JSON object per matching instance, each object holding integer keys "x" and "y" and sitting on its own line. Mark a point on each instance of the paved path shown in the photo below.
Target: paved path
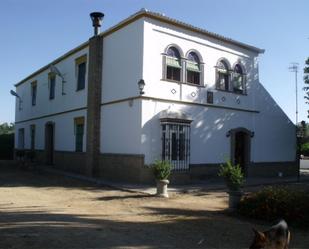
{"x": 210, "y": 184}
{"x": 304, "y": 164}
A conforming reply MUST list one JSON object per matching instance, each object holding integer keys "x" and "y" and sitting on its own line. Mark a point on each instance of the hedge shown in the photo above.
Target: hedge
{"x": 7, "y": 146}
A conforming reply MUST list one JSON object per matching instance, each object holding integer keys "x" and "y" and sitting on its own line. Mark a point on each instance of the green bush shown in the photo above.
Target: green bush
{"x": 162, "y": 169}
{"x": 304, "y": 149}
{"x": 232, "y": 174}
{"x": 273, "y": 203}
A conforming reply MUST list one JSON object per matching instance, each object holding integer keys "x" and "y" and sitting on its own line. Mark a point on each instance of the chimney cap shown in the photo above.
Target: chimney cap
{"x": 96, "y": 18}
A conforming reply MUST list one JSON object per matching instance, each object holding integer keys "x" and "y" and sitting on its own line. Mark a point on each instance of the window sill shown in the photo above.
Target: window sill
{"x": 185, "y": 83}
{"x": 236, "y": 93}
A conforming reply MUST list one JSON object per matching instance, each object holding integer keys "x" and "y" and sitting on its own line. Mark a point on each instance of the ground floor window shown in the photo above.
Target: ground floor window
{"x": 176, "y": 144}
{"x": 21, "y": 138}
{"x": 32, "y": 137}
{"x": 79, "y": 133}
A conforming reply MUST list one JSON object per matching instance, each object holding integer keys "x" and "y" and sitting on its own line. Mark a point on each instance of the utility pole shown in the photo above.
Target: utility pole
{"x": 294, "y": 68}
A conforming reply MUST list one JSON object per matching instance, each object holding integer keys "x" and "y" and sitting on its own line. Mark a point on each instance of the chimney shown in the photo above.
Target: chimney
{"x": 96, "y": 18}
{"x": 95, "y": 65}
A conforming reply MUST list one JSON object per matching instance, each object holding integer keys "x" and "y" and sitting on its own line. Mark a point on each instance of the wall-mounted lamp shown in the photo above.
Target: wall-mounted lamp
{"x": 13, "y": 93}
{"x": 53, "y": 69}
{"x": 96, "y": 18}
{"x": 141, "y": 84}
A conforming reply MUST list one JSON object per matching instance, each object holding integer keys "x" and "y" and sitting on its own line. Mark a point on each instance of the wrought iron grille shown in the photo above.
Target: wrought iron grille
{"x": 176, "y": 145}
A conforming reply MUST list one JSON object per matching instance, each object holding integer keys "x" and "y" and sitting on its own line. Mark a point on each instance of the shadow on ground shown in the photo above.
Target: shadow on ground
{"x": 177, "y": 229}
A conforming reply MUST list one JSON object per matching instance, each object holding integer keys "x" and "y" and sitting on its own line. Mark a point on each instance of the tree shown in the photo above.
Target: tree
{"x": 6, "y": 128}
{"x": 306, "y": 81}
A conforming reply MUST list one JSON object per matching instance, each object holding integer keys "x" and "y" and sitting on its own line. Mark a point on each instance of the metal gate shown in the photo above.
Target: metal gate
{"x": 176, "y": 145}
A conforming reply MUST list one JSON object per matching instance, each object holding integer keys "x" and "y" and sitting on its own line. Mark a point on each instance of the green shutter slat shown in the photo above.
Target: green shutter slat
{"x": 191, "y": 66}
{"x": 173, "y": 62}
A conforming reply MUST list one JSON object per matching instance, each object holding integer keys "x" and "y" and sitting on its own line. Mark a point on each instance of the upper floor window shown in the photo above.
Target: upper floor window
{"x": 81, "y": 64}
{"x": 33, "y": 92}
{"x": 223, "y": 76}
{"x": 238, "y": 79}
{"x": 173, "y": 64}
{"x": 193, "y": 67}
{"x": 52, "y": 85}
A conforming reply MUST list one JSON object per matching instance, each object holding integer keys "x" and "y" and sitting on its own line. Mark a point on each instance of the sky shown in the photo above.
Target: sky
{"x": 35, "y": 32}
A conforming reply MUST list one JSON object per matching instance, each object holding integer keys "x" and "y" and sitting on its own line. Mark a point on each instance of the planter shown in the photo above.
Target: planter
{"x": 234, "y": 198}
{"x": 162, "y": 188}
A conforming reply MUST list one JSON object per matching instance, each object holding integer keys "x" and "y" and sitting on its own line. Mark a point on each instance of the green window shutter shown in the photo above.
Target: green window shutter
{"x": 81, "y": 76}
{"x": 173, "y": 62}
{"x": 192, "y": 66}
{"x": 79, "y": 133}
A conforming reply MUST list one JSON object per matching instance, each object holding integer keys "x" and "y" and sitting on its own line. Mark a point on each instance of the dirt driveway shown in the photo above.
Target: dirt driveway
{"x": 48, "y": 211}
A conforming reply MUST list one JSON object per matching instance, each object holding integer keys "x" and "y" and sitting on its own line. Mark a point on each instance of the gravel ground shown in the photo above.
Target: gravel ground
{"x": 38, "y": 210}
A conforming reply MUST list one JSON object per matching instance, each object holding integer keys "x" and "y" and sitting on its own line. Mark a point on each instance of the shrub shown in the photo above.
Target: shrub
{"x": 232, "y": 174}
{"x": 304, "y": 149}
{"x": 162, "y": 169}
{"x": 273, "y": 203}
{"x": 6, "y": 146}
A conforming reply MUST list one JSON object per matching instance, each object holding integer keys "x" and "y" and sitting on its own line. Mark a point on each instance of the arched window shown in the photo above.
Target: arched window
{"x": 223, "y": 75}
{"x": 173, "y": 64}
{"x": 238, "y": 79}
{"x": 193, "y": 69}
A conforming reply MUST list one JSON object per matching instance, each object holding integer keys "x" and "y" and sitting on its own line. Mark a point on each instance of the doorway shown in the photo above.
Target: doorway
{"x": 240, "y": 148}
{"x": 49, "y": 142}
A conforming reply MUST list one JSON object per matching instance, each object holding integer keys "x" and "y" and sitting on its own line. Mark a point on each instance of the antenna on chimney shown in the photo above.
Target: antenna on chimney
{"x": 96, "y": 18}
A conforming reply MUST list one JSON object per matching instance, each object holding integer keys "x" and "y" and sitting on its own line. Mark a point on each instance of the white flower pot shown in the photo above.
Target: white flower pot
{"x": 162, "y": 188}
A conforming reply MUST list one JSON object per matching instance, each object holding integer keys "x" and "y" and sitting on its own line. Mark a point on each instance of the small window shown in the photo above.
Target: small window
{"x": 32, "y": 137}
{"x": 173, "y": 64}
{"x": 21, "y": 138}
{"x": 238, "y": 79}
{"x": 33, "y": 93}
{"x": 52, "y": 86}
{"x": 81, "y": 72}
{"x": 223, "y": 76}
{"x": 193, "y": 69}
{"x": 79, "y": 133}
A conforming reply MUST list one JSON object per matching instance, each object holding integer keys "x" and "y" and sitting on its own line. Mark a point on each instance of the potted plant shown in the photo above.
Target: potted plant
{"x": 234, "y": 180}
{"x": 162, "y": 170}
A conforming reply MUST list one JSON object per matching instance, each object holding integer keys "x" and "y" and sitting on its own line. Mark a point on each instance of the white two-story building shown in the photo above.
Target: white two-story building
{"x": 202, "y": 103}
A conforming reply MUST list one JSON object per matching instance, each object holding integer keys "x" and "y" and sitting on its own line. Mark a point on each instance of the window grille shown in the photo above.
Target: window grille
{"x": 176, "y": 144}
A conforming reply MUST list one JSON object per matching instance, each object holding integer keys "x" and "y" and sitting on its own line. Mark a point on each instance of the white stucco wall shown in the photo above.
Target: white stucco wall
{"x": 121, "y": 128}
{"x": 275, "y": 132}
{"x": 208, "y": 140}
{"x": 64, "y": 131}
{"x": 44, "y": 106}
{"x": 158, "y": 36}
{"x": 122, "y": 62}
{"x": 274, "y": 138}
